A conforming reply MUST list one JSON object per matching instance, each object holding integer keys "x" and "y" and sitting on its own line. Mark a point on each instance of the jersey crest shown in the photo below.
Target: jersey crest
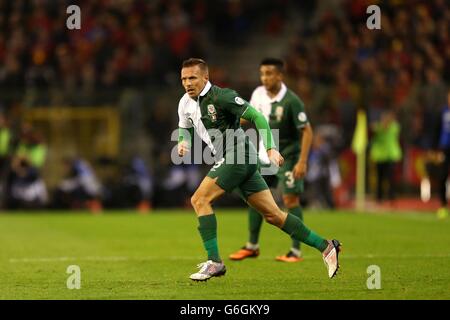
{"x": 212, "y": 112}
{"x": 279, "y": 112}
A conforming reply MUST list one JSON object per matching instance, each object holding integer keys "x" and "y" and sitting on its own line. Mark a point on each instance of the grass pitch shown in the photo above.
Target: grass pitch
{"x": 123, "y": 255}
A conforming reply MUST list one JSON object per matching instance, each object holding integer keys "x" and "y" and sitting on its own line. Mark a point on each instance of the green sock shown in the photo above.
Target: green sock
{"x": 297, "y": 230}
{"x": 255, "y": 220}
{"x": 208, "y": 231}
{"x": 297, "y": 211}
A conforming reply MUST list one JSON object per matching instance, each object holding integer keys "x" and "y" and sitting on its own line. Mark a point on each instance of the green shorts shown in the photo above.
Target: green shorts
{"x": 286, "y": 177}
{"x": 245, "y": 179}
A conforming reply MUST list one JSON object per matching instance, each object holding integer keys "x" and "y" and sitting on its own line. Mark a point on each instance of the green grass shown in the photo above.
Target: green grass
{"x": 123, "y": 255}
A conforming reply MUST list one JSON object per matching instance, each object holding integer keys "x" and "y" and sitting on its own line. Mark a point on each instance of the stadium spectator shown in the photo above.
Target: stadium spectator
{"x": 5, "y": 144}
{"x": 182, "y": 180}
{"x": 442, "y": 145}
{"x": 385, "y": 152}
{"x": 136, "y": 187}
{"x": 321, "y": 174}
{"x": 434, "y": 97}
{"x": 25, "y": 186}
{"x": 80, "y": 188}
{"x": 5, "y": 153}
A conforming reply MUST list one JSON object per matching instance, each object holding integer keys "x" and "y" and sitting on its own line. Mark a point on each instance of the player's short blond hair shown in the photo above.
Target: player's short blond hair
{"x": 191, "y": 62}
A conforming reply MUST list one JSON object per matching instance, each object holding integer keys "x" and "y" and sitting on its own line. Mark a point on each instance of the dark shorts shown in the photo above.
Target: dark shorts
{"x": 285, "y": 176}
{"x": 245, "y": 179}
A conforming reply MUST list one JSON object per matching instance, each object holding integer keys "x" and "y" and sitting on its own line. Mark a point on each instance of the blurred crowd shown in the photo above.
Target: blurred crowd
{"x": 339, "y": 65}
{"x": 399, "y": 75}
{"x": 133, "y": 43}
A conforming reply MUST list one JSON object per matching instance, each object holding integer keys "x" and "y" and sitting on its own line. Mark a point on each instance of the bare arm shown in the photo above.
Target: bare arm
{"x": 306, "y": 141}
{"x": 263, "y": 127}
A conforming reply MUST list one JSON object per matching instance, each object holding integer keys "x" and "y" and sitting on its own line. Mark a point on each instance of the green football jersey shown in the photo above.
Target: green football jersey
{"x": 221, "y": 109}
{"x": 288, "y": 116}
{"x": 216, "y": 118}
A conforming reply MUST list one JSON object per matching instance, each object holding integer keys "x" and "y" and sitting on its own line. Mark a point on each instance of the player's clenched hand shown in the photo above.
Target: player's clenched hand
{"x": 183, "y": 148}
{"x": 275, "y": 157}
{"x": 299, "y": 171}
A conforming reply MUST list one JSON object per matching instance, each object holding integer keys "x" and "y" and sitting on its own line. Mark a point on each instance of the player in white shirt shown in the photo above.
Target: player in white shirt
{"x": 285, "y": 112}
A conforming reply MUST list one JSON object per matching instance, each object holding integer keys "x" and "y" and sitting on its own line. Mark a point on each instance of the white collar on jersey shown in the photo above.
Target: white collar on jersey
{"x": 280, "y": 94}
{"x": 206, "y": 89}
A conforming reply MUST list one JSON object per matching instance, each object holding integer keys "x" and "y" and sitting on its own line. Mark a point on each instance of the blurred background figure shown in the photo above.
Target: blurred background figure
{"x": 385, "y": 152}
{"x": 5, "y": 142}
{"x": 182, "y": 180}
{"x": 323, "y": 175}
{"x": 442, "y": 145}
{"x": 5, "y": 149}
{"x": 80, "y": 188}
{"x": 136, "y": 187}
{"x": 25, "y": 186}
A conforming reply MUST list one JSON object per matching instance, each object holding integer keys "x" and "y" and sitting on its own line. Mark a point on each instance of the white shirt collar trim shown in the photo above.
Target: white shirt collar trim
{"x": 206, "y": 89}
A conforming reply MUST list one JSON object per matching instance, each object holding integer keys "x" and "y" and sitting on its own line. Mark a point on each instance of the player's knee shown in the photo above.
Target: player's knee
{"x": 198, "y": 201}
{"x": 194, "y": 200}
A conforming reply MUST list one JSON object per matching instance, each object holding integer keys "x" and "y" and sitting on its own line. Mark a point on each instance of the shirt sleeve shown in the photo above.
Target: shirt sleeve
{"x": 253, "y": 100}
{"x": 298, "y": 114}
{"x": 252, "y": 115}
{"x": 183, "y": 121}
{"x": 186, "y": 135}
{"x": 233, "y": 103}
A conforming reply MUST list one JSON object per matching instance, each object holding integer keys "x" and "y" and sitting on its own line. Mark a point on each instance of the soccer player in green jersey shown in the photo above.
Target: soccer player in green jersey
{"x": 214, "y": 113}
{"x": 284, "y": 111}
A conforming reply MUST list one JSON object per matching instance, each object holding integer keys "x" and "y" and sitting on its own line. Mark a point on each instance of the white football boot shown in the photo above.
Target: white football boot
{"x": 331, "y": 257}
{"x": 208, "y": 270}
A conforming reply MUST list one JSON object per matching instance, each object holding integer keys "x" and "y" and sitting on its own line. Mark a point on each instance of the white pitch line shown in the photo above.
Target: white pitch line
{"x": 56, "y": 259}
{"x": 118, "y": 259}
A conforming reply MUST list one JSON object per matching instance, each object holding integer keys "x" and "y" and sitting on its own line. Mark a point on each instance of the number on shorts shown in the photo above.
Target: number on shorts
{"x": 290, "y": 179}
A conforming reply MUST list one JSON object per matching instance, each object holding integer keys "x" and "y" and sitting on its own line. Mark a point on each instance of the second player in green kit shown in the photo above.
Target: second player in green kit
{"x": 285, "y": 112}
